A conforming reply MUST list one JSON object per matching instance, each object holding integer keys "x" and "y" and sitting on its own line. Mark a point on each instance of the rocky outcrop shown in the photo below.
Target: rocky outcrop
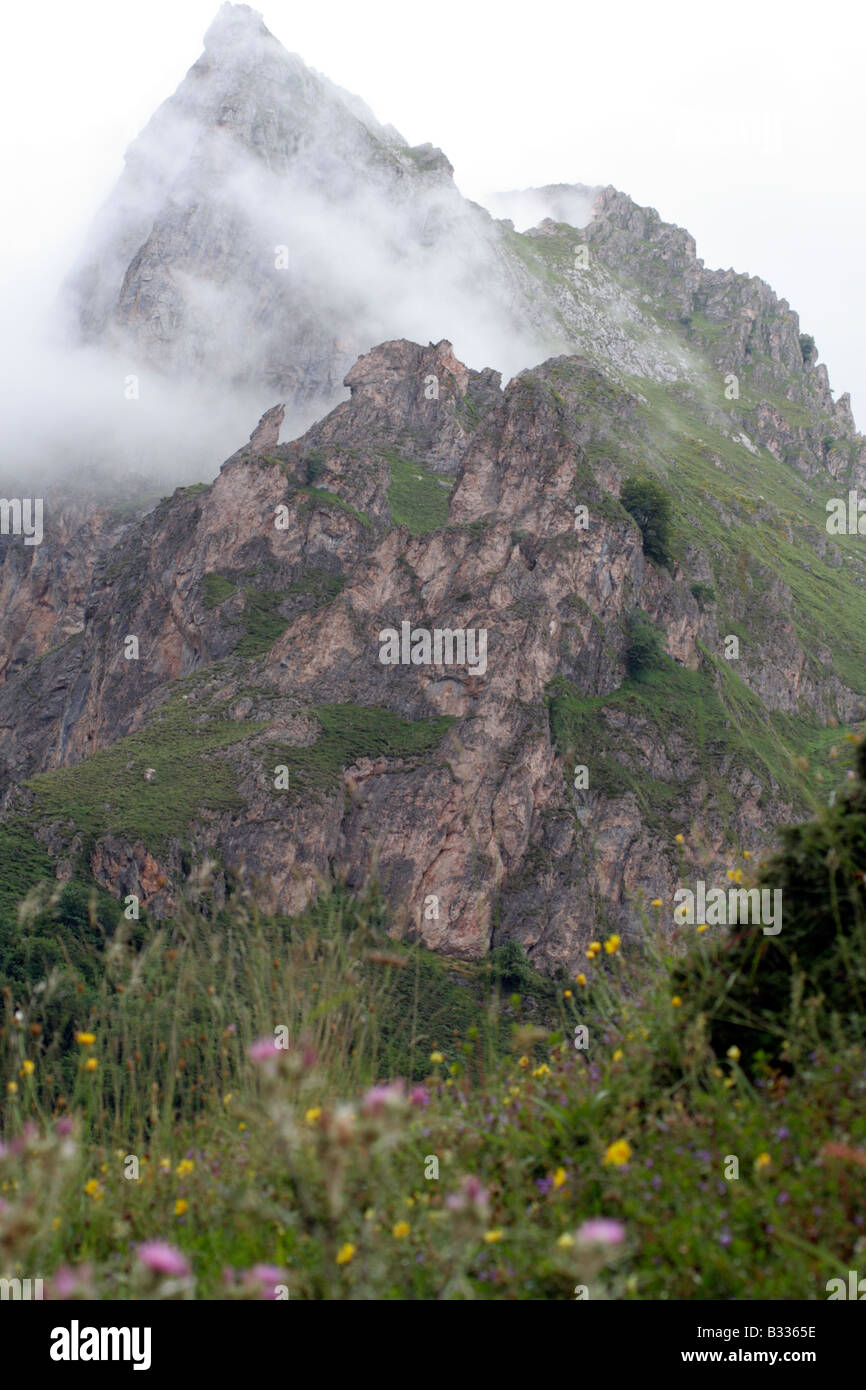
{"x": 258, "y": 720}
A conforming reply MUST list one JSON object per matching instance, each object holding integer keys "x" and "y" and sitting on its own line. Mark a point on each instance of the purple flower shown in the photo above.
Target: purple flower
{"x": 162, "y": 1258}
{"x": 783, "y": 1132}
{"x": 419, "y": 1095}
{"x": 725, "y": 1237}
{"x": 544, "y": 1185}
{"x": 601, "y": 1231}
{"x": 782, "y": 1198}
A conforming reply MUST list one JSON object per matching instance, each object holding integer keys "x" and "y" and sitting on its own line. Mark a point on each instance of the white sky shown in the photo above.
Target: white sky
{"x": 742, "y": 121}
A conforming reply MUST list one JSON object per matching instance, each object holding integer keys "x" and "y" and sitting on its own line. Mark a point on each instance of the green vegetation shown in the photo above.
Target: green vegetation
{"x": 330, "y": 499}
{"x": 416, "y": 496}
{"x": 648, "y": 503}
{"x": 216, "y": 589}
{"x": 349, "y": 732}
{"x": 108, "y": 792}
{"x": 645, "y": 650}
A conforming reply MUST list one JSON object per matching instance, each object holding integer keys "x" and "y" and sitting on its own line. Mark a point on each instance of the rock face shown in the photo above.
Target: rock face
{"x": 255, "y": 722}
{"x": 267, "y": 671}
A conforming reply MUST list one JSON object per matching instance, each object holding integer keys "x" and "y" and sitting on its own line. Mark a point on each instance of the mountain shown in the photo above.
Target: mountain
{"x": 203, "y": 679}
{"x": 267, "y": 230}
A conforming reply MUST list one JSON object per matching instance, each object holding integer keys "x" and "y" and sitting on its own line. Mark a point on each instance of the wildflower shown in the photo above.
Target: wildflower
{"x": 612, "y": 944}
{"x": 85, "y": 1039}
{"x": 491, "y": 1237}
{"x": 162, "y": 1258}
{"x": 268, "y": 1278}
{"x": 560, "y": 1178}
{"x": 262, "y": 1050}
{"x": 185, "y": 1166}
{"x": 472, "y": 1194}
{"x": 618, "y": 1153}
{"x": 93, "y": 1188}
{"x": 419, "y": 1095}
{"x": 227, "y": 1098}
{"x": 747, "y": 854}
{"x": 312, "y": 1115}
{"x": 600, "y": 1231}
{"x": 763, "y": 1161}
{"x": 27, "y": 1067}
{"x": 346, "y": 1253}
{"x": 656, "y": 902}
{"x": 581, "y": 980}
{"x": 91, "y": 1064}
{"x": 379, "y": 1098}
{"x": 565, "y": 1241}
{"x": 436, "y": 1058}
{"x": 524, "y": 1062}
{"x": 181, "y": 1207}
{"x": 401, "y": 1230}
{"x": 618, "y": 1055}
{"x": 702, "y": 926}
{"x": 543, "y": 1070}
{"x": 676, "y": 1001}
{"x": 12, "y": 1087}
{"x": 370, "y": 1214}
{"x": 680, "y": 839}
{"x": 165, "y": 1164}
{"x": 567, "y": 994}
{"x": 734, "y": 1054}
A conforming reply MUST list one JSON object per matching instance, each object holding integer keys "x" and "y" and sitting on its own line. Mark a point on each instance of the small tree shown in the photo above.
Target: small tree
{"x": 648, "y": 503}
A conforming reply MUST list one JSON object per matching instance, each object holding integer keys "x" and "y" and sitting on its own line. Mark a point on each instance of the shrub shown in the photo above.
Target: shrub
{"x": 650, "y": 507}
{"x": 704, "y": 593}
{"x": 645, "y": 649}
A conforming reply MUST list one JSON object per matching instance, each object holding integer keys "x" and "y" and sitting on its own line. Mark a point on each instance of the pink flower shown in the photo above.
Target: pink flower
{"x": 162, "y": 1258}
{"x": 65, "y": 1282}
{"x": 601, "y": 1232}
{"x": 263, "y": 1050}
{"x": 419, "y": 1095}
{"x": 380, "y": 1098}
{"x": 267, "y": 1277}
{"x": 472, "y": 1194}
{"x": 63, "y": 1127}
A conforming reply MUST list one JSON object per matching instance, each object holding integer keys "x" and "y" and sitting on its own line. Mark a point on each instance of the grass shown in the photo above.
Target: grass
{"x": 416, "y": 496}
{"x": 349, "y": 732}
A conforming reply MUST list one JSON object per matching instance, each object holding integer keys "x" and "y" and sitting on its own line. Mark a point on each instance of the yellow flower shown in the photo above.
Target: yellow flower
{"x": 543, "y": 1070}
{"x": 565, "y": 1242}
{"x": 401, "y": 1230}
{"x": 612, "y": 944}
{"x": 436, "y": 1058}
{"x": 454, "y": 1069}
{"x": 763, "y": 1161}
{"x": 524, "y": 1062}
{"x": 27, "y": 1067}
{"x": 165, "y": 1164}
{"x": 91, "y": 1064}
{"x": 185, "y": 1166}
{"x": 369, "y": 1214}
{"x": 676, "y": 1001}
{"x": 514, "y": 1090}
{"x": 56, "y": 1223}
{"x": 595, "y": 947}
{"x": 680, "y": 839}
{"x": 734, "y": 1054}
{"x": 656, "y": 902}
{"x": 618, "y": 1153}
{"x": 567, "y": 994}
{"x": 180, "y": 1206}
{"x": 618, "y": 1055}
{"x": 581, "y": 980}
{"x": 241, "y": 1126}
{"x": 93, "y": 1189}
{"x": 85, "y": 1039}
{"x": 560, "y": 1178}
{"x": 491, "y": 1237}
{"x": 702, "y": 927}
{"x": 12, "y": 1087}
{"x": 747, "y": 854}
{"x": 312, "y": 1115}
{"x": 227, "y": 1098}
{"x": 345, "y": 1253}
